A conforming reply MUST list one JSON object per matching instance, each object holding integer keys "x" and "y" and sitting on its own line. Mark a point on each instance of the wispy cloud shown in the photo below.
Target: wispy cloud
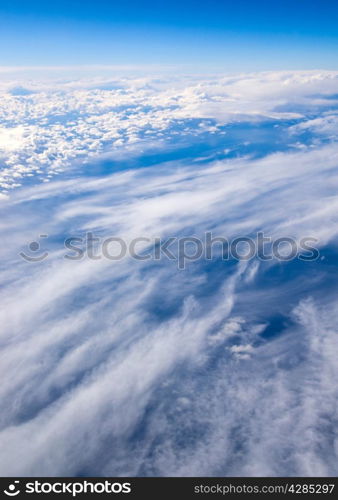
{"x": 118, "y": 368}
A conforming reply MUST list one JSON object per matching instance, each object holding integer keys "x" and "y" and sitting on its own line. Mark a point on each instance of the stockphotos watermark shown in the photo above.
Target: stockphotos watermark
{"x": 182, "y": 250}
{"x": 73, "y": 488}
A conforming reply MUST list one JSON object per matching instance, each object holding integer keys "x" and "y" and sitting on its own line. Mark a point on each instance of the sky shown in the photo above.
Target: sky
{"x": 220, "y": 34}
{"x": 136, "y": 367}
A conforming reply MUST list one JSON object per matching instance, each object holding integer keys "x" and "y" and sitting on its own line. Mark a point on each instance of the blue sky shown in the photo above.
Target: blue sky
{"x": 227, "y": 35}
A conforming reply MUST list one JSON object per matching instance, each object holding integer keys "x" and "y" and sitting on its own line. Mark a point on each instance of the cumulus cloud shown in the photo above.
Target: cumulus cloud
{"x": 47, "y": 126}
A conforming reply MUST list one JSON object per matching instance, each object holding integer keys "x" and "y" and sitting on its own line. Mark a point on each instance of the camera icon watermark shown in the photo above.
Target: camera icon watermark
{"x": 12, "y": 490}
{"x": 34, "y": 247}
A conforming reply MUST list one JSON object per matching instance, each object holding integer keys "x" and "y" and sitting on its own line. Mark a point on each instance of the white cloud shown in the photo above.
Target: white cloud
{"x": 129, "y": 367}
{"x": 67, "y": 120}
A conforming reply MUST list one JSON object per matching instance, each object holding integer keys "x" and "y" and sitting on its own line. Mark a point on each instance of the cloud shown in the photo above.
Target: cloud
{"x": 11, "y": 139}
{"x": 81, "y": 120}
{"x": 130, "y": 367}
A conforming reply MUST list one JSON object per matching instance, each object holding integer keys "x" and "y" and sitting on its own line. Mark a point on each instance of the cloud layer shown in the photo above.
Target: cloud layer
{"x": 136, "y": 368}
{"x": 45, "y": 127}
